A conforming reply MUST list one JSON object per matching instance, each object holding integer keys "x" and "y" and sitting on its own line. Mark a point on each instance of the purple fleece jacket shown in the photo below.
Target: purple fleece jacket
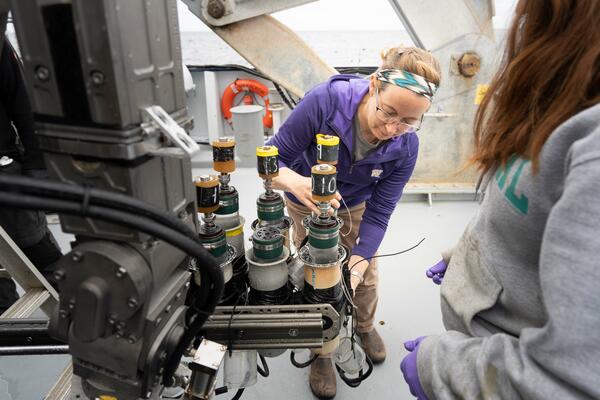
{"x": 378, "y": 179}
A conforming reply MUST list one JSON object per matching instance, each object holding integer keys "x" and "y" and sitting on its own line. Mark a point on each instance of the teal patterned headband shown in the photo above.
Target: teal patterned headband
{"x": 407, "y": 80}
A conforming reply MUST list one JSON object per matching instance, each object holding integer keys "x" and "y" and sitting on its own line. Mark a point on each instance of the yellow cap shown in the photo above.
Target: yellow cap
{"x": 265, "y": 151}
{"x": 105, "y": 397}
{"x": 327, "y": 140}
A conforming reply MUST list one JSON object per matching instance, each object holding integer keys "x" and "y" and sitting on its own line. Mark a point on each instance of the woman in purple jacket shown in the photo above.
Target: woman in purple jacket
{"x": 376, "y": 120}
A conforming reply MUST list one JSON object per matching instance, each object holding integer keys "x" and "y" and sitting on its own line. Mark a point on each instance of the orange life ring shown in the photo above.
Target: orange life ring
{"x": 246, "y": 85}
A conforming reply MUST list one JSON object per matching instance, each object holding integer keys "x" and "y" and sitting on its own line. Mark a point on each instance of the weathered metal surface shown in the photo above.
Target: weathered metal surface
{"x": 276, "y": 51}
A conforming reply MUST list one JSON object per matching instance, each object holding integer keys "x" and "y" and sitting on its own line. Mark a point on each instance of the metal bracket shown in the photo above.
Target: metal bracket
{"x": 273, "y": 327}
{"x": 157, "y": 116}
{"x": 224, "y": 12}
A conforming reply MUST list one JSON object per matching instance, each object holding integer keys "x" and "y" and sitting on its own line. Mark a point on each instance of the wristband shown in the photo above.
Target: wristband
{"x": 358, "y": 275}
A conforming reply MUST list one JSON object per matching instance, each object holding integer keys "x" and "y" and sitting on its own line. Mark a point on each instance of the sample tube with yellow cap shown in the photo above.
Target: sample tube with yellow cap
{"x": 267, "y": 163}
{"x": 328, "y": 147}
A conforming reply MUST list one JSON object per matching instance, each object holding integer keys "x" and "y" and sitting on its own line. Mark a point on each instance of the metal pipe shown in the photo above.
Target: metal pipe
{"x": 406, "y": 22}
{"x": 33, "y": 350}
{"x": 25, "y": 332}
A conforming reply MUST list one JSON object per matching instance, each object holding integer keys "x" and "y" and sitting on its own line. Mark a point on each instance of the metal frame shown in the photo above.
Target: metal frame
{"x": 38, "y": 291}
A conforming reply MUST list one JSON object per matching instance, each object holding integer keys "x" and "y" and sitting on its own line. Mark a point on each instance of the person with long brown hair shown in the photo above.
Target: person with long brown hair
{"x": 520, "y": 297}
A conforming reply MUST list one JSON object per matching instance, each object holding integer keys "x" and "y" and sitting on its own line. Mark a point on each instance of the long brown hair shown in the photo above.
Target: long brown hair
{"x": 550, "y": 71}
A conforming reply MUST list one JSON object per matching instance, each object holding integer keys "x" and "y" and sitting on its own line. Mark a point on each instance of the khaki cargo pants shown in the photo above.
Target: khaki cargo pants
{"x": 365, "y": 296}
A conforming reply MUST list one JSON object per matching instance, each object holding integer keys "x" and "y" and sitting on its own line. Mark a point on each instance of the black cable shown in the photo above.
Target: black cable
{"x": 108, "y": 198}
{"x": 283, "y": 96}
{"x": 355, "y": 382}
{"x": 264, "y": 371}
{"x": 215, "y": 281}
{"x": 291, "y": 97}
{"x": 303, "y": 364}
{"x": 228, "y": 67}
{"x": 223, "y": 389}
{"x": 387, "y": 255}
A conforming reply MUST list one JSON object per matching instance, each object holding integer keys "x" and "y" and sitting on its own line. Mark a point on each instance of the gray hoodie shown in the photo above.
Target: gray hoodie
{"x": 521, "y": 296}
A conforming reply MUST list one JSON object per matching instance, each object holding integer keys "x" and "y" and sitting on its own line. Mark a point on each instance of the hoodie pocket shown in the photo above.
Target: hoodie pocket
{"x": 468, "y": 287}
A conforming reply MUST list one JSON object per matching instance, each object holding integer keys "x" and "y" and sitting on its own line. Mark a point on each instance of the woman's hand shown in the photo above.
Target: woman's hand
{"x": 301, "y": 187}
{"x": 358, "y": 266}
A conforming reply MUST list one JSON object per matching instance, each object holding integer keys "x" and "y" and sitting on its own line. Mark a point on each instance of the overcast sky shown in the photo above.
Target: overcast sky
{"x": 340, "y": 15}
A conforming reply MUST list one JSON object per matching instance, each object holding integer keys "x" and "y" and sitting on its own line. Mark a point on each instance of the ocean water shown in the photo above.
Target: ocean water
{"x": 337, "y": 48}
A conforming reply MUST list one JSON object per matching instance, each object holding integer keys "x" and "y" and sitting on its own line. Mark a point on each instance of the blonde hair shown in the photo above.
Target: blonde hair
{"x": 412, "y": 59}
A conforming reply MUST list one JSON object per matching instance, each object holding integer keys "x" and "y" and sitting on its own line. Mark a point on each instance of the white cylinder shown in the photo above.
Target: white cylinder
{"x": 277, "y": 110}
{"x": 239, "y": 369}
{"x": 349, "y": 357}
{"x": 267, "y": 276}
{"x": 249, "y": 132}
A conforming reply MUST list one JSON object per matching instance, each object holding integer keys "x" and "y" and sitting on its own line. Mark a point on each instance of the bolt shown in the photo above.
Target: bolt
{"x": 112, "y": 319}
{"x": 97, "y": 78}
{"x": 158, "y": 321}
{"x": 121, "y": 325}
{"x": 215, "y": 8}
{"x": 183, "y": 214}
{"x": 59, "y": 275}
{"x": 121, "y": 272}
{"x": 469, "y": 64}
{"x": 132, "y": 339}
{"x": 76, "y": 256}
{"x": 132, "y": 302}
{"x": 293, "y": 332}
{"x": 178, "y": 296}
{"x": 168, "y": 309}
{"x": 72, "y": 304}
{"x": 42, "y": 73}
{"x": 63, "y": 313}
{"x": 119, "y": 334}
{"x": 163, "y": 356}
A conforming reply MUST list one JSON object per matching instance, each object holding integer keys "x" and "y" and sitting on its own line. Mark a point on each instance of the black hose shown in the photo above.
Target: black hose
{"x": 107, "y": 198}
{"x": 355, "y": 382}
{"x": 264, "y": 371}
{"x": 283, "y": 96}
{"x": 223, "y": 390}
{"x": 210, "y": 267}
{"x": 304, "y": 364}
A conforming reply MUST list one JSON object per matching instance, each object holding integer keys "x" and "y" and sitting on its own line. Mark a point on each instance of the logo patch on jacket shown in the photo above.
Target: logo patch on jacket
{"x": 376, "y": 173}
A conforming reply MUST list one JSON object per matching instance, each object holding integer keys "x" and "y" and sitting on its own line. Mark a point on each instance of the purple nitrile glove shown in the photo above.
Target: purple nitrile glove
{"x": 436, "y": 273}
{"x": 410, "y": 371}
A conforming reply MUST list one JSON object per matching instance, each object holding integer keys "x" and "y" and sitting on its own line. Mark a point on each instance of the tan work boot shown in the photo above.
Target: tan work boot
{"x": 322, "y": 378}
{"x": 373, "y": 345}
